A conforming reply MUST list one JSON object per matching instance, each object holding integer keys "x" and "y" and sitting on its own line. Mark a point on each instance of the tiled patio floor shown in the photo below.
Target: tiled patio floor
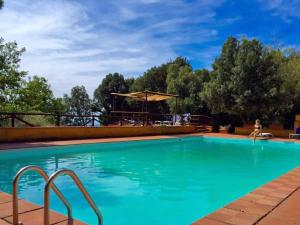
{"x": 29, "y": 213}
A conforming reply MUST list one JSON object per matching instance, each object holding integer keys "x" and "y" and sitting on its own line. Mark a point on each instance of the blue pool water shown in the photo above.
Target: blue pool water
{"x": 161, "y": 182}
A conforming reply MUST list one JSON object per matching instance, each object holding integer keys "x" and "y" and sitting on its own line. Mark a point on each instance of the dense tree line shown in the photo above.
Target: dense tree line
{"x": 248, "y": 80}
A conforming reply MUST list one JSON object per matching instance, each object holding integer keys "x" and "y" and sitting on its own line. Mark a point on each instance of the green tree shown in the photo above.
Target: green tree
{"x": 59, "y": 106}
{"x": 11, "y": 78}
{"x": 155, "y": 79}
{"x": 1, "y": 4}
{"x": 78, "y": 104}
{"x": 36, "y": 95}
{"x": 103, "y": 100}
{"x": 218, "y": 92}
{"x": 188, "y": 84}
{"x": 289, "y": 72}
{"x": 244, "y": 81}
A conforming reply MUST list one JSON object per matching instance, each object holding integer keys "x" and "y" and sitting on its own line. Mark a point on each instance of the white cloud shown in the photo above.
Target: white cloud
{"x": 284, "y": 9}
{"x": 77, "y": 44}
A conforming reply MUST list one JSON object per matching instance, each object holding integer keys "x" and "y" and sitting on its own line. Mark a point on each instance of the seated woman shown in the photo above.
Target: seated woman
{"x": 257, "y": 129}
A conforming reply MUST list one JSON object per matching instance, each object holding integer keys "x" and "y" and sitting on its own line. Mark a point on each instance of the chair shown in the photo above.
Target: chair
{"x": 167, "y": 123}
{"x": 157, "y": 123}
{"x": 296, "y": 135}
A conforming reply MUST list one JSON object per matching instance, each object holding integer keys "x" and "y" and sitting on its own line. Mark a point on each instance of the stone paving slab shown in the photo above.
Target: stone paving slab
{"x": 35, "y": 217}
{"x": 2, "y": 222}
{"x": 5, "y": 197}
{"x": 29, "y": 213}
{"x": 6, "y": 208}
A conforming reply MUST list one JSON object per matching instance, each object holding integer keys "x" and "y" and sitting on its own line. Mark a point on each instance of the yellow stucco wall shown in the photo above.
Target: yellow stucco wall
{"x": 60, "y": 133}
{"x": 276, "y": 133}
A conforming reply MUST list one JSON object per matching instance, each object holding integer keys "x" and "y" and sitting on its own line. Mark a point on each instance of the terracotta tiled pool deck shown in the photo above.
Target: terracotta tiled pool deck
{"x": 275, "y": 203}
{"x": 29, "y": 213}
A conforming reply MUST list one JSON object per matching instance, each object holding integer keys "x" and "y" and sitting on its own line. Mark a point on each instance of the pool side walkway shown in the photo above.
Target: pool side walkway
{"x": 29, "y": 213}
{"x": 275, "y": 203}
{"x": 6, "y": 146}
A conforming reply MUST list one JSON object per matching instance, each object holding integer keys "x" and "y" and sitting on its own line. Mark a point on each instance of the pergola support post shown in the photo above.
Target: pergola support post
{"x": 175, "y": 108}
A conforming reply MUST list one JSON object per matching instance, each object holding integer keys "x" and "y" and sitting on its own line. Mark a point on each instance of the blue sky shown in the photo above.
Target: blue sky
{"x": 77, "y": 42}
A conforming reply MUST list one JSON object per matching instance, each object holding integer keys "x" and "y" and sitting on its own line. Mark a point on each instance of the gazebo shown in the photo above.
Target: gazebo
{"x": 145, "y": 97}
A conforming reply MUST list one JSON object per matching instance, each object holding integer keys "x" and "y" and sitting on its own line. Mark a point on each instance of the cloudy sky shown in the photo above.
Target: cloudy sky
{"x": 77, "y": 42}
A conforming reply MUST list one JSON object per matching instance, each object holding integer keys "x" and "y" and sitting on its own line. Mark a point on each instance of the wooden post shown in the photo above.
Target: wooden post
{"x": 147, "y": 109}
{"x": 93, "y": 121}
{"x": 146, "y": 102}
{"x": 114, "y": 103}
{"x": 58, "y": 119}
{"x": 175, "y": 108}
{"x": 13, "y": 118}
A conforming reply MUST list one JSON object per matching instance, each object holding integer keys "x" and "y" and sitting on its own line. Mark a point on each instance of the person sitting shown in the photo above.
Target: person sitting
{"x": 257, "y": 129}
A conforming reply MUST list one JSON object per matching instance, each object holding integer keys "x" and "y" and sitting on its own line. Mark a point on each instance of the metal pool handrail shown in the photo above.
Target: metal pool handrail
{"x": 15, "y": 192}
{"x": 79, "y": 185}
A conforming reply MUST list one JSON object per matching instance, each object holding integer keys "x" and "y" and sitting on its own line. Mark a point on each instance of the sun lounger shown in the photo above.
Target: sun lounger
{"x": 157, "y": 123}
{"x": 162, "y": 123}
{"x": 296, "y": 135}
{"x": 264, "y": 136}
{"x": 167, "y": 123}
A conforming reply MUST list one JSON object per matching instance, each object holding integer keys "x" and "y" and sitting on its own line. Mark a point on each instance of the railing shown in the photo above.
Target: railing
{"x": 121, "y": 118}
{"x": 115, "y": 118}
{"x": 77, "y": 181}
{"x": 15, "y": 192}
{"x": 199, "y": 120}
{"x": 11, "y": 119}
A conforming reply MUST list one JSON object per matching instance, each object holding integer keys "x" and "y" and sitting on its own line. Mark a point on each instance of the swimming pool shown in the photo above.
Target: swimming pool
{"x": 161, "y": 182}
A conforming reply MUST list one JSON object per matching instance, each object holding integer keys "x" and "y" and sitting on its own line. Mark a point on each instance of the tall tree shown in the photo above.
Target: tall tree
{"x": 36, "y": 95}
{"x": 289, "y": 72}
{"x": 244, "y": 81}
{"x": 188, "y": 85}
{"x": 11, "y": 78}
{"x": 103, "y": 100}
{"x": 1, "y": 4}
{"x": 155, "y": 79}
{"x": 218, "y": 92}
{"x": 78, "y": 104}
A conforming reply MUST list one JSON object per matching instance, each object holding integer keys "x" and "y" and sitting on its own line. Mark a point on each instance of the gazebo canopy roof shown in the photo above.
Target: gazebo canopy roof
{"x": 149, "y": 96}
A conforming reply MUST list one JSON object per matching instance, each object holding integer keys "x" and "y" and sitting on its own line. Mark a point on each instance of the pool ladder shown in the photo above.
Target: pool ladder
{"x": 50, "y": 184}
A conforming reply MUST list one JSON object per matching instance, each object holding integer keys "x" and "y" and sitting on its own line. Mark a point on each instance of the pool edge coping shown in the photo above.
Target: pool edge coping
{"x": 40, "y": 144}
